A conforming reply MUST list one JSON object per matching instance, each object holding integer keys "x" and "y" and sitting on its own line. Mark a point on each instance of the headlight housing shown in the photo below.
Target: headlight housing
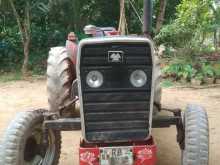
{"x": 138, "y": 78}
{"x": 94, "y": 79}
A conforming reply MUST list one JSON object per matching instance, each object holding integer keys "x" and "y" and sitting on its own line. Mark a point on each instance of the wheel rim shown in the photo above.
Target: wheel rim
{"x": 33, "y": 155}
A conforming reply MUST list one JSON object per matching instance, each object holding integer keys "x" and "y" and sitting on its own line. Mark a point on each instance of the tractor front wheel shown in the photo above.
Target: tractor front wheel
{"x": 23, "y": 142}
{"x": 196, "y": 149}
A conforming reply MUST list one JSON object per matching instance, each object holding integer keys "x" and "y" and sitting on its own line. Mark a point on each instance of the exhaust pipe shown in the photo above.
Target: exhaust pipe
{"x": 147, "y": 16}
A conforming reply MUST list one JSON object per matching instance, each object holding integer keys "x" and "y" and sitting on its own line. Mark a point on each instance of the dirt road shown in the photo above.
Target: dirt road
{"x": 23, "y": 95}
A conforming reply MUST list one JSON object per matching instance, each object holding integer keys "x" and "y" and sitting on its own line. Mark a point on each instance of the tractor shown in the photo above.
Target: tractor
{"x": 113, "y": 95}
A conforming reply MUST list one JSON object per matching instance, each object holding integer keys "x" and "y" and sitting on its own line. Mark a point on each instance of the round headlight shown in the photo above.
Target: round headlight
{"x": 138, "y": 78}
{"x": 94, "y": 79}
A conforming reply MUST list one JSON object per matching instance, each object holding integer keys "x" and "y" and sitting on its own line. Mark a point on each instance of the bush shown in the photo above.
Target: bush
{"x": 199, "y": 70}
{"x": 191, "y": 33}
{"x": 208, "y": 70}
{"x": 10, "y": 51}
{"x": 216, "y": 68}
{"x": 174, "y": 35}
{"x": 179, "y": 71}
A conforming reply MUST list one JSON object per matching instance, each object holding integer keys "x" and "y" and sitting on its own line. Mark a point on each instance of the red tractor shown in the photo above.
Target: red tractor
{"x": 117, "y": 82}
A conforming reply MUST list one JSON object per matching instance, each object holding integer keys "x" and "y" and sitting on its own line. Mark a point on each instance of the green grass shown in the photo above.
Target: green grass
{"x": 16, "y": 76}
{"x": 166, "y": 83}
{"x": 6, "y": 77}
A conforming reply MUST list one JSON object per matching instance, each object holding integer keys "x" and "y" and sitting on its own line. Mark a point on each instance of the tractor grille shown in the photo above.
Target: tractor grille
{"x": 116, "y": 111}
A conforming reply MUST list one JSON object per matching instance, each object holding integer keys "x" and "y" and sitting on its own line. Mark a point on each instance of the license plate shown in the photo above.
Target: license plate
{"x": 116, "y": 156}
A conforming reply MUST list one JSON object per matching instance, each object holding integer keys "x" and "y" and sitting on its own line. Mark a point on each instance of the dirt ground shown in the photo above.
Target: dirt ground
{"x": 23, "y": 95}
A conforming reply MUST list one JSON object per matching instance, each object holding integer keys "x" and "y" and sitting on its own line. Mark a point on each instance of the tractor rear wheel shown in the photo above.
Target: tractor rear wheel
{"x": 157, "y": 87}
{"x": 196, "y": 151}
{"x": 23, "y": 142}
{"x": 60, "y": 76}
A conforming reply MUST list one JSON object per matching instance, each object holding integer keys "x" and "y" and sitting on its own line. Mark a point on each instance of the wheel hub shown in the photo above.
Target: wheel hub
{"x": 35, "y": 151}
{"x": 31, "y": 149}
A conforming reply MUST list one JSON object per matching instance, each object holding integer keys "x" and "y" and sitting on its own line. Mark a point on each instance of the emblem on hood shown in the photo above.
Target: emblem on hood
{"x": 115, "y": 56}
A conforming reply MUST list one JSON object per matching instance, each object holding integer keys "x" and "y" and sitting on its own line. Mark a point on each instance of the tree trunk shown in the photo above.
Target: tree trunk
{"x": 27, "y": 34}
{"x": 26, "y": 57}
{"x": 215, "y": 40}
{"x": 218, "y": 38}
{"x": 24, "y": 28}
{"x": 161, "y": 15}
{"x": 122, "y": 21}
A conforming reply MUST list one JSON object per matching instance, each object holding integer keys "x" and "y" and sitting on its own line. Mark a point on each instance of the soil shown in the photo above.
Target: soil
{"x": 24, "y": 95}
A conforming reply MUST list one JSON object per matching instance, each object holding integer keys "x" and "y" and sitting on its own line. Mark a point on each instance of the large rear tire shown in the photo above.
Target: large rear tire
{"x": 22, "y": 142}
{"x": 196, "y": 127}
{"x": 157, "y": 86}
{"x": 60, "y": 76}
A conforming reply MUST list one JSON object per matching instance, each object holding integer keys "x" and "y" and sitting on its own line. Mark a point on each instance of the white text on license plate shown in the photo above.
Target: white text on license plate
{"x": 116, "y": 156}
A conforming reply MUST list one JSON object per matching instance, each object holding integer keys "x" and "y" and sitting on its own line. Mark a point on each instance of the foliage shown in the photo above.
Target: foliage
{"x": 51, "y": 22}
{"x": 173, "y": 35}
{"x": 179, "y": 70}
{"x": 185, "y": 70}
{"x": 207, "y": 70}
{"x": 199, "y": 76}
{"x": 195, "y": 20}
{"x": 216, "y": 68}
{"x": 187, "y": 33}
{"x": 10, "y": 52}
{"x": 203, "y": 71}
{"x": 190, "y": 36}
{"x": 166, "y": 83}
{"x": 170, "y": 13}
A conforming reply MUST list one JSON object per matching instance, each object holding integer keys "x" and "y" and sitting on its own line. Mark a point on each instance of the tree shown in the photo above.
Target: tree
{"x": 216, "y": 12}
{"x": 47, "y": 22}
{"x": 161, "y": 15}
{"x": 122, "y": 21}
{"x": 22, "y": 14}
{"x": 194, "y": 19}
{"x": 24, "y": 24}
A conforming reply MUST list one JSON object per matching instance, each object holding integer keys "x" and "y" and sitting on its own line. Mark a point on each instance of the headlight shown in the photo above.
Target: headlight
{"x": 94, "y": 79}
{"x": 138, "y": 78}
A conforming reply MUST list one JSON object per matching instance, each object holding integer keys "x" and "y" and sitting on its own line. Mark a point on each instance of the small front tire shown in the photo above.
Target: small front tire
{"x": 22, "y": 142}
{"x": 196, "y": 127}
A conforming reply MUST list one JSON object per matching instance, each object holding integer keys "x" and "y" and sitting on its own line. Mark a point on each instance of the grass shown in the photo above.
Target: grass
{"x": 12, "y": 76}
{"x": 16, "y": 76}
{"x": 166, "y": 83}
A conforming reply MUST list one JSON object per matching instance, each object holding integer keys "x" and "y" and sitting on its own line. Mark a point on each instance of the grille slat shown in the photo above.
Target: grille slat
{"x": 91, "y": 60}
{"x": 89, "y": 107}
{"x": 116, "y": 111}
{"x": 129, "y": 49}
{"x": 116, "y": 96}
{"x": 102, "y": 126}
{"x": 116, "y": 116}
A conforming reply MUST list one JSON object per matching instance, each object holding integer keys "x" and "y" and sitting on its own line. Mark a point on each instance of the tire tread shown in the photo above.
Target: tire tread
{"x": 10, "y": 148}
{"x": 196, "y": 136}
{"x": 60, "y": 75}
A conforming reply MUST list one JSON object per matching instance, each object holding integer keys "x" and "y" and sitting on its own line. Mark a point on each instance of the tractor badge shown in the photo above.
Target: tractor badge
{"x": 115, "y": 56}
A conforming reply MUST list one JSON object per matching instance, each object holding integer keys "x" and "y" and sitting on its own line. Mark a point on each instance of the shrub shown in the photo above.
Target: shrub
{"x": 216, "y": 68}
{"x": 179, "y": 70}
